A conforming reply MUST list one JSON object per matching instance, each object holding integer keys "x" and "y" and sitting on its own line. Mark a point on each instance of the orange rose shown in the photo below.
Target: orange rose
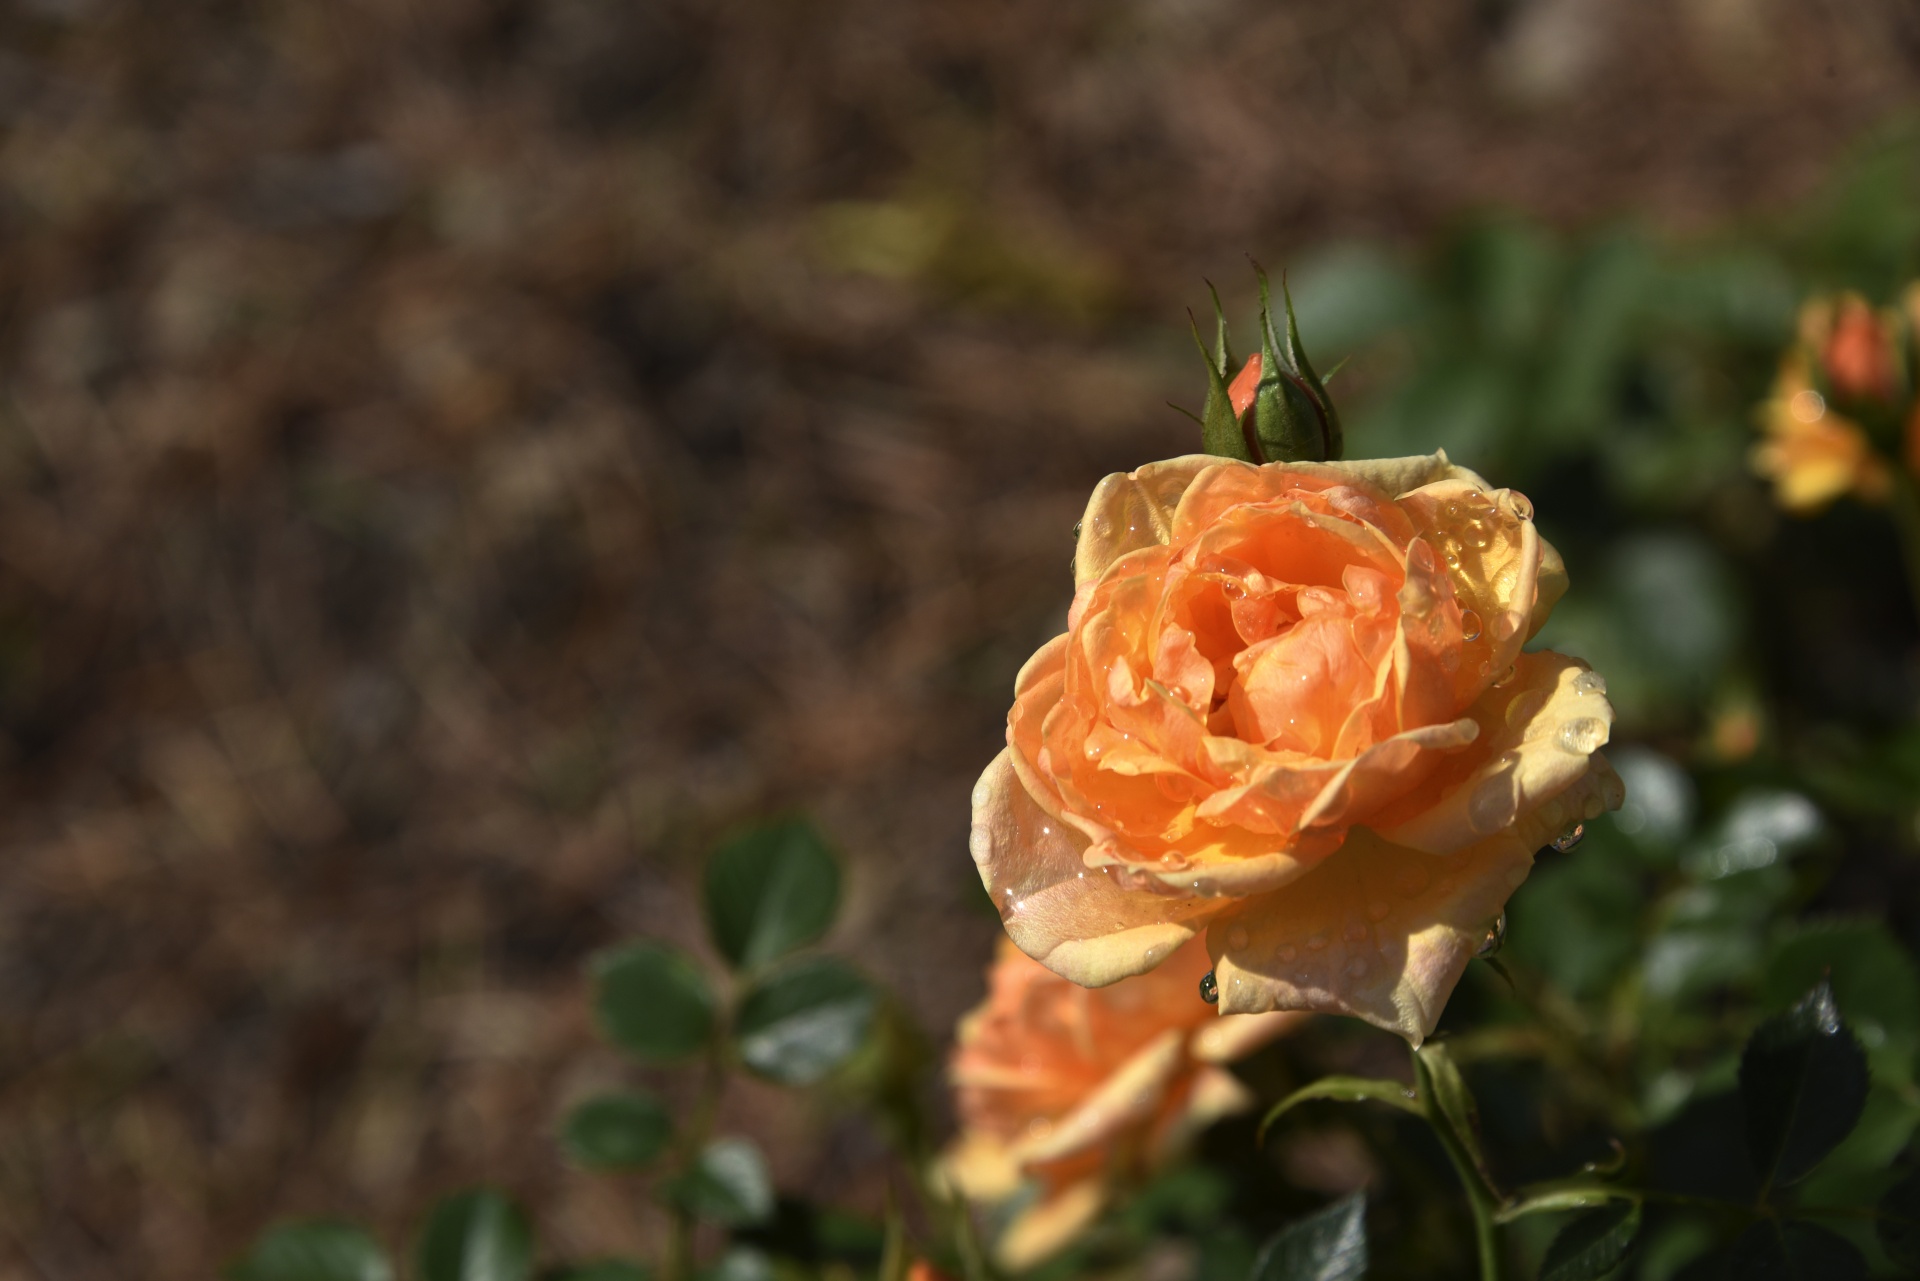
{"x": 1073, "y": 1088}
{"x": 1291, "y": 709}
{"x": 1812, "y": 453}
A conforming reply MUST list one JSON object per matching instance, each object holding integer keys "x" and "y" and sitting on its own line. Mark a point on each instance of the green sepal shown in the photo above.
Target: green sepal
{"x": 1220, "y": 430}
{"x": 1311, "y": 383}
{"x": 1287, "y": 423}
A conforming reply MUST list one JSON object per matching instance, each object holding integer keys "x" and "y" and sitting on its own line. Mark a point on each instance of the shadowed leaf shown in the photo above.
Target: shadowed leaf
{"x": 769, "y": 891}
{"x": 617, "y": 1131}
{"x": 1774, "y": 1251}
{"x": 1594, "y": 1244}
{"x": 1803, "y": 1083}
{"x": 1328, "y": 1246}
{"x": 313, "y": 1252}
{"x": 476, "y": 1236}
{"x": 652, "y": 1001}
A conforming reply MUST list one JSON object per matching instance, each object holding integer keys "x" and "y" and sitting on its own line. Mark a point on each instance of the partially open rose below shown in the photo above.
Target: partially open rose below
{"x": 1291, "y": 711}
{"x": 1073, "y": 1089}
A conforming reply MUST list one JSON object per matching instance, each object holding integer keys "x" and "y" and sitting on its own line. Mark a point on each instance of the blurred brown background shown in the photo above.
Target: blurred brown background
{"x": 460, "y": 456}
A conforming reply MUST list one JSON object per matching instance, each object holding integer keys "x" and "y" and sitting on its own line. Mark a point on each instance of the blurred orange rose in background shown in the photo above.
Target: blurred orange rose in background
{"x": 1076, "y": 1089}
{"x": 1846, "y": 362}
{"x": 1291, "y": 710}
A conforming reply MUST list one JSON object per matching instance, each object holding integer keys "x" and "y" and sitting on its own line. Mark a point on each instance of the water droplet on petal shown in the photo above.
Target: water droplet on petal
{"x": 1357, "y": 967}
{"x": 1476, "y": 535}
{"x": 1505, "y": 678}
{"x": 1318, "y": 943}
{"x": 1356, "y": 932}
{"x": 1496, "y": 937}
{"x": 1411, "y": 881}
{"x": 1491, "y": 806}
{"x": 1237, "y": 937}
{"x": 1453, "y": 559}
{"x": 1522, "y": 505}
{"x": 1583, "y": 735}
{"x": 1452, "y": 510}
{"x": 1590, "y": 683}
{"x": 1174, "y": 861}
{"x": 1570, "y": 838}
{"x": 1469, "y": 625}
{"x": 1377, "y": 910}
{"x": 1288, "y": 951}
{"x": 1076, "y": 527}
{"x": 1209, "y": 988}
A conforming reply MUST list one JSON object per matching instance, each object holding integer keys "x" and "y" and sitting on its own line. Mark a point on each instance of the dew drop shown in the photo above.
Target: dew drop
{"x": 1209, "y": 988}
{"x": 1505, "y": 678}
{"x": 1476, "y": 536}
{"x": 1582, "y": 735}
{"x": 1594, "y": 806}
{"x": 980, "y": 845}
{"x": 1076, "y": 528}
{"x": 1411, "y": 881}
{"x": 1357, "y": 967}
{"x": 1288, "y": 951}
{"x": 1452, "y": 510}
{"x": 1356, "y": 932}
{"x": 1590, "y": 683}
{"x": 1174, "y": 861}
{"x": 1495, "y": 939}
{"x": 1039, "y": 1128}
{"x": 1570, "y": 838}
{"x": 1522, "y": 505}
{"x": 1469, "y": 625}
{"x": 1377, "y": 910}
{"x": 1453, "y": 559}
{"x": 1491, "y": 806}
{"x": 982, "y": 793}
{"x": 1318, "y": 943}
{"x": 1237, "y": 937}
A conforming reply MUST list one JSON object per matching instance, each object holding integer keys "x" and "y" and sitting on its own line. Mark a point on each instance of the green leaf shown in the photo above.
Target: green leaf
{"x": 1450, "y": 1101}
{"x": 1594, "y": 1244}
{"x": 617, "y": 1131}
{"x": 728, "y": 1185}
{"x": 1315, "y": 391}
{"x": 1330, "y": 1245}
{"x": 1899, "y": 1222}
{"x": 652, "y": 1001}
{"x": 1342, "y": 1089}
{"x": 313, "y": 1252}
{"x": 769, "y": 891}
{"x": 801, "y": 1022}
{"x": 1803, "y": 1081}
{"x": 1771, "y": 1250}
{"x": 476, "y": 1236}
{"x": 605, "y": 1270}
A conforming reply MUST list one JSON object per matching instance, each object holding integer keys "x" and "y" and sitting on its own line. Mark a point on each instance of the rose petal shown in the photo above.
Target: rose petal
{"x": 1132, "y": 510}
{"x": 1383, "y": 932}
{"x": 1049, "y": 1226}
{"x": 1073, "y": 920}
{"x": 1232, "y": 1037}
{"x": 1135, "y": 1092}
{"x": 1536, "y": 734}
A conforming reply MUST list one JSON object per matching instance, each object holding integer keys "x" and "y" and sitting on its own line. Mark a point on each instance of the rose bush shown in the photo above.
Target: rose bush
{"x": 1072, "y": 1088}
{"x": 1291, "y": 710}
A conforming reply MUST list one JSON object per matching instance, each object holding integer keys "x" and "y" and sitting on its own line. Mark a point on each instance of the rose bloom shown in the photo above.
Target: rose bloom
{"x": 1291, "y": 711}
{"x": 1075, "y": 1089}
{"x": 1810, "y": 452}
